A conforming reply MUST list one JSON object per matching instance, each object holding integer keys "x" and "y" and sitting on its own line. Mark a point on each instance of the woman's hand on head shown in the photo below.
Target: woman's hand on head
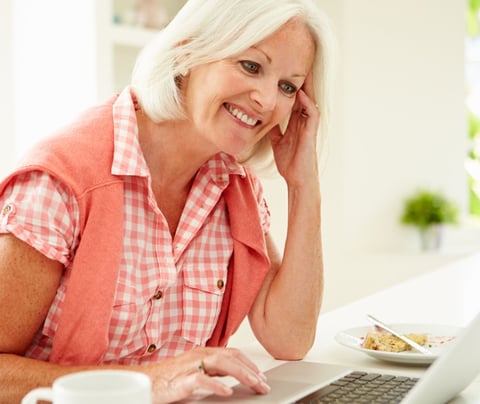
{"x": 295, "y": 150}
{"x": 192, "y": 374}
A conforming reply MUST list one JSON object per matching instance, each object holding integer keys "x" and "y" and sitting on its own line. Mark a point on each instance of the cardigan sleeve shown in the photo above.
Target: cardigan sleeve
{"x": 263, "y": 208}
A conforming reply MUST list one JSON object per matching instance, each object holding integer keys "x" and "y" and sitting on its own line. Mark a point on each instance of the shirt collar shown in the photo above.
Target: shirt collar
{"x": 220, "y": 167}
{"x": 127, "y": 155}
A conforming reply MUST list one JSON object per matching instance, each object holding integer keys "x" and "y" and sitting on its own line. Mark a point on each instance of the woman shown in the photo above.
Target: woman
{"x": 147, "y": 247}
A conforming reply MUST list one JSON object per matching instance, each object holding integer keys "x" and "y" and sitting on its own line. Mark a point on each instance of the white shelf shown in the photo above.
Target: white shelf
{"x": 131, "y": 35}
{"x": 119, "y": 42}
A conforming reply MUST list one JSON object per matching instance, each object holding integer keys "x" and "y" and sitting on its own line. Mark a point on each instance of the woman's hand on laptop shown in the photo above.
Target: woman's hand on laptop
{"x": 192, "y": 374}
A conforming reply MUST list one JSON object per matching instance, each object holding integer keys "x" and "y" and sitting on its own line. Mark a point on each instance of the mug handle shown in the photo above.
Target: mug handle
{"x": 42, "y": 393}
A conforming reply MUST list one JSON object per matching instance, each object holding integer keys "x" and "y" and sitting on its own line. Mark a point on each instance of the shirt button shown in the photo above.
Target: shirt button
{"x": 6, "y": 210}
{"x": 158, "y": 295}
{"x": 152, "y": 348}
{"x": 220, "y": 284}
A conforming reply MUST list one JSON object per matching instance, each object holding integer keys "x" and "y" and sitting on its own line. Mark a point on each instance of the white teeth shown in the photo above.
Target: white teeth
{"x": 241, "y": 116}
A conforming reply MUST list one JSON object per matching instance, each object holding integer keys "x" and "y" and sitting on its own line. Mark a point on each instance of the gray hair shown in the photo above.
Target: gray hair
{"x": 206, "y": 31}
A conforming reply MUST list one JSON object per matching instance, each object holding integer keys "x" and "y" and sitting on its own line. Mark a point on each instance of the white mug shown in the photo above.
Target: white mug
{"x": 96, "y": 387}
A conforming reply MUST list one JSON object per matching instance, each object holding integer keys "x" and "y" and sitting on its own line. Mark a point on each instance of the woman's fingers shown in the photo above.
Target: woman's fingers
{"x": 233, "y": 363}
{"x": 305, "y": 105}
{"x": 308, "y": 86}
{"x": 236, "y": 355}
{"x": 189, "y": 386}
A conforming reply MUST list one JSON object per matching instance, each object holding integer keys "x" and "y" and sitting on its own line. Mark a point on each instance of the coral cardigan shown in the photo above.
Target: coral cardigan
{"x": 81, "y": 157}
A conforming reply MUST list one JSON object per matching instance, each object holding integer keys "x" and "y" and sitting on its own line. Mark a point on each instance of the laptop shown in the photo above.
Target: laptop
{"x": 302, "y": 381}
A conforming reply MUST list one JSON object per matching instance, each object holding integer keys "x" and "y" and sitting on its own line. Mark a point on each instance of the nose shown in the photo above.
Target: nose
{"x": 264, "y": 95}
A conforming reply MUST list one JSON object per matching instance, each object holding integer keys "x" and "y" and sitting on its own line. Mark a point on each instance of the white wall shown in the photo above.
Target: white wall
{"x": 6, "y": 86}
{"x": 54, "y": 65}
{"x": 404, "y": 112}
{"x": 399, "y": 120}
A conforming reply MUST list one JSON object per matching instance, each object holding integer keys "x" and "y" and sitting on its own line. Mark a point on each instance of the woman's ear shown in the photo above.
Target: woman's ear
{"x": 180, "y": 78}
{"x": 180, "y": 60}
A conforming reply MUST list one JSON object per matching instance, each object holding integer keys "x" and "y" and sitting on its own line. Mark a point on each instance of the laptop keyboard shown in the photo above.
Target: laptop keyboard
{"x": 361, "y": 387}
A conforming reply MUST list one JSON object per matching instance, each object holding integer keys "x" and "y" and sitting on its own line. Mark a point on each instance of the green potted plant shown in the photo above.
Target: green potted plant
{"x": 429, "y": 212}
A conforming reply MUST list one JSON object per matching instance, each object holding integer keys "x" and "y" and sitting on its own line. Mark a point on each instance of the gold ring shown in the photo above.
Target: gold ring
{"x": 201, "y": 368}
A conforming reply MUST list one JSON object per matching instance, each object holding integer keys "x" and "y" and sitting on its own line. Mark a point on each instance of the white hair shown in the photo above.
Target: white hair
{"x": 206, "y": 31}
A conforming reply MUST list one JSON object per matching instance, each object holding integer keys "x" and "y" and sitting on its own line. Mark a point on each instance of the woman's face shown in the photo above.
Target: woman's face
{"x": 234, "y": 102}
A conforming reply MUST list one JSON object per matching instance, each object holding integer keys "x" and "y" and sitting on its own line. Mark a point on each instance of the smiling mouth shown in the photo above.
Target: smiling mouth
{"x": 241, "y": 116}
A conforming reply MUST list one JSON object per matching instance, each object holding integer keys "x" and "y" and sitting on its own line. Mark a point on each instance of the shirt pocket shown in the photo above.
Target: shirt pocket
{"x": 130, "y": 313}
{"x": 203, "y": 289}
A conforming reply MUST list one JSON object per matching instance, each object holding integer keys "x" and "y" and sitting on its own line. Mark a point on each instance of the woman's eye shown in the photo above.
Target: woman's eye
{"x": 288, "y": 88}
{"x": 249, "y": 66}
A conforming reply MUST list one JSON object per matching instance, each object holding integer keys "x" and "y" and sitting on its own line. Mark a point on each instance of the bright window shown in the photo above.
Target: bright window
{"x": 473, "y": 103}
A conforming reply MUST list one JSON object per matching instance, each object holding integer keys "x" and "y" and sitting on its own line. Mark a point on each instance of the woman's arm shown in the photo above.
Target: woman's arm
{"x": 284, "y": 315}
{"x": 28, "y": 283}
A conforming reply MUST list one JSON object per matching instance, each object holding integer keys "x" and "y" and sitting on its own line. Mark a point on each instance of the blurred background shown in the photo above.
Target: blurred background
{"x": 405, "y": 115}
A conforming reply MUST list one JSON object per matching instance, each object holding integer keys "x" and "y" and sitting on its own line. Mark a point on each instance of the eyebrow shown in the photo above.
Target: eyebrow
{"x": 269, "y": 59}
{"x": 264, "y": 53}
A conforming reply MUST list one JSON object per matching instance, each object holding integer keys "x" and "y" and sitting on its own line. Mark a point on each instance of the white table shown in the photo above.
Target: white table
{"x": 449, "y": 295}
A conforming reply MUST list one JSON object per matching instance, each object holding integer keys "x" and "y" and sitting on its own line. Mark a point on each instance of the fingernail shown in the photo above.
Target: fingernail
{"x": 265, "y": 386}
{"x": 262, "y": 376}
{"x": 254, "y": 379}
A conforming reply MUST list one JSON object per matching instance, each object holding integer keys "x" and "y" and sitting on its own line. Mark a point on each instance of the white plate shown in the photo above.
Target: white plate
{"x": 438, "y": 336}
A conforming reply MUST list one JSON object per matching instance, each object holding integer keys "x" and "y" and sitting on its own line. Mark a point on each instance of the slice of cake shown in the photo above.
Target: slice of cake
{"x": 389, "y": 343}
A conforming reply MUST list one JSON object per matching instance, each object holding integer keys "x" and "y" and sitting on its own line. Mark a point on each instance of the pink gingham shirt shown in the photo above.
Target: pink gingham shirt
{"x": 186, "y": 273}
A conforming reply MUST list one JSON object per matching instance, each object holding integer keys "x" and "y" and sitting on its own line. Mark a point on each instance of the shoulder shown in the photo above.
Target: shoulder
{"x": 89, "y": 135}
{"x": 80, "y": 153}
